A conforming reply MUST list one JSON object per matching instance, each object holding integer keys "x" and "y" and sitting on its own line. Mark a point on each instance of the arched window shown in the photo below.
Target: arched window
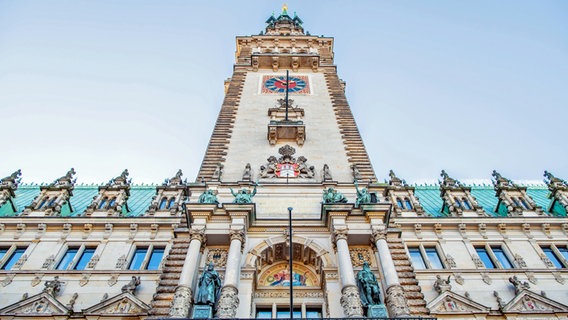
{"x": 466, "y": 204}
{"x": 163, "y": 203}
{"x": 42, "y": 203}
{"x": 171, "y": 203}
{"x": 524, "y": 204}
{"x": 399, "y": 203}
{"x": 103, "y": 203}
{"x": 407, "y": 204}
{"x": 458, "y": 203}
{"x": 112, "y": 202}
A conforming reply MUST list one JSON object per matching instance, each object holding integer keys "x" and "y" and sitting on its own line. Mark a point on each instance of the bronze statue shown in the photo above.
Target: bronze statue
{"x": 363, "y": 195}
{"x": 208, "y": 197}
{"x": 368, "y": 286}
{"x": 208, "y": 287}
{"x": 244, "y": 195}
{"x": 331, "y": 196}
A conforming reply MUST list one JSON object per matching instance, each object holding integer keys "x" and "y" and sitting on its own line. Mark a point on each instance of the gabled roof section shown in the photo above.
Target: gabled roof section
{"x": 122, "y": 305}
{"x": 527, "y": 301}
{"x": 452, "y": 303}
{"x": 39, "y": 305}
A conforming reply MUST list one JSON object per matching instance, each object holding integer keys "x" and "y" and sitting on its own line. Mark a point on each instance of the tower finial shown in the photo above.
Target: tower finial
{"x": 285, "y": 9}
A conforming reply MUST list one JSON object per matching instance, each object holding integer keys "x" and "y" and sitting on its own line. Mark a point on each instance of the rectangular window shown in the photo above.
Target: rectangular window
{"x": 417, "y": 260}
{"x": 552, "y": 257}
{"x": 84, "y": 259}
{"x": 147, "y": 258}
{"x": 425, "y": 258}
{"x": 284, "y": 313}
{"x": 494, "y": 257}
{"x": 563, "y": 252}
{"x": 16, "y": 255}
{"x": 3, "y": 252}
{"x": 67, "y": 259}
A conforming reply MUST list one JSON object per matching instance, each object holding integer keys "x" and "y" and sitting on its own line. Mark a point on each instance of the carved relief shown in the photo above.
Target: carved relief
{"x": 351, "y": 302}
{"x": 396, "y": 302}
{"x": 217, "y": 256}
{"x": 228, "y": 303}
{"x": 181, "y": 303}
{"x": 359, "y": 255}
{"x": 287, "y": 166}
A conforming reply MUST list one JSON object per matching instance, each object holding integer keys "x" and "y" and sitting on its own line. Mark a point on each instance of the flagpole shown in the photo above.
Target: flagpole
{"x": 291, "y": 271}
{"x": 287, "y": 84}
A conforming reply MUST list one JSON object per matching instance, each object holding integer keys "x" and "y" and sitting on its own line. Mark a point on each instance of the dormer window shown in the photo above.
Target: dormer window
{"x": 466, "y": 204}
{"x": 171, "y": 203}
{"x": 112, "y": 202}
{"x": 42, "y": 203}
{"x": 103, "y": 203}
{"x": 399, "y": 203}
{"x": 458, "y": 203}
{"x": 524, "y": 204}
{"x": 407, "y": 204}
{"x": 163, "y": 203}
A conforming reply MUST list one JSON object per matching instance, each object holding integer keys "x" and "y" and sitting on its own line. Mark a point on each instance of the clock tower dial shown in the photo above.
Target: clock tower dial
{"x": 277, "y": 84}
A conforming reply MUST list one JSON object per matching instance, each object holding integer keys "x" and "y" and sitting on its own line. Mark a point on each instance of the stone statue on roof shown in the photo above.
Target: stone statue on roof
{"x": 66, "y": 180}
{"x": 448, "y": 181}
{"x": 120, "y": 181}
{"x": 12, "y": 180}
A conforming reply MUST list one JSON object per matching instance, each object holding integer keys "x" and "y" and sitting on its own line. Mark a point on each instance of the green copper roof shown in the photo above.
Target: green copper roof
{"x": 138, "y": 202}
{"x": 429, "y": 197}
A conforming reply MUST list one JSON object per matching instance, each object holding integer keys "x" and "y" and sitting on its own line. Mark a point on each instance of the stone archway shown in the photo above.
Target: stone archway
{"x": 305, "y": 250}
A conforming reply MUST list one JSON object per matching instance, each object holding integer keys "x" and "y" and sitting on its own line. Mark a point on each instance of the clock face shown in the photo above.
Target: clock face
{"x": 277, "y": 84}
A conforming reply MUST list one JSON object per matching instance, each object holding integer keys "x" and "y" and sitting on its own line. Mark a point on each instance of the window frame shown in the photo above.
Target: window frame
{"x": 489, "y": 249}
{"x": 76, "y": 258}
{"x": 150, "y": 248}
{"x": 560, "y": 257}
{"x": 424, "y": 255}
{"x": 11, "y": 250}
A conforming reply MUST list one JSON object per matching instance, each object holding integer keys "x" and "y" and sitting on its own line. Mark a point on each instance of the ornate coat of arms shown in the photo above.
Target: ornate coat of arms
{"x": 286, "y": 166}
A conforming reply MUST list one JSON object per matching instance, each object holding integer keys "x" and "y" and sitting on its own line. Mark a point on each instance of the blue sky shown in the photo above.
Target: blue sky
{"x": 465, "y": 86}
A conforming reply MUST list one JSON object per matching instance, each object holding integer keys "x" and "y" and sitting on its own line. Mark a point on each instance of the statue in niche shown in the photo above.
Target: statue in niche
{"x": 208, "y": 196}
{"x": 363, "y": 195}
{"x": 218, "y": 172}
{"x": 269, "y": 170}
{"x": 53, "y": 287}
{"x": 304, "y": 171}
{"x": 208, "y": 287}
{"x": 368, "y": 286}
{"x": 331, "y": 196}
{"x": 132, "y": 285}
{"x": 247, "y": 174}
{"x": 244, "y": 195}
{"x": 326, "y": 173}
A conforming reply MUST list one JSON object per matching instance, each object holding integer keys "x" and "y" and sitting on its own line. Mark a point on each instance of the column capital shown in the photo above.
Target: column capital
{"x": 238, "y": 234}
{"x": 340, "y": 233}
{"x": 197, "y": 233}
{"x": 379, "y": 232}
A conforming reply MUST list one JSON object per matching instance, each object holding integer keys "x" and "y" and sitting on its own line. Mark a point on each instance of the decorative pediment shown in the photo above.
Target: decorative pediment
{"x": 452, "y": 303}
{"x": 529, "y": 302}
{"x": 402, "y": 195}
{"x": 54, "y": 198}
{"x": 170, "y": 195}
{"x": 457, "y": 197}
{"x": 124, "y": 304}
{"x": 39, "y": 305}
{"x": 558, "y": 194}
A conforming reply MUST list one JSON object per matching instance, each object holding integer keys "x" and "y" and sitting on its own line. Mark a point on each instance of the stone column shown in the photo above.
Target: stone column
{"x": 350, "y": 299}
{"x": 229, "y": 299}
{"x": 395, "y": 300}
{"x": 183, "y": 297}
